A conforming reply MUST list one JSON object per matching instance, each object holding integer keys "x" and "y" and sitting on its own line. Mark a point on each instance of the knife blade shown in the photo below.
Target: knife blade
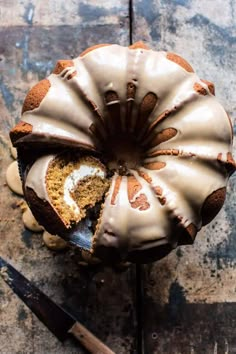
{"x": 55, "y": 318}
{"x": 80, "y": 235}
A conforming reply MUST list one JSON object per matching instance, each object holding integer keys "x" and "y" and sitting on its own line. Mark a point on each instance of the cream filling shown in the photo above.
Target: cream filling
{"x": 74, "y": 178}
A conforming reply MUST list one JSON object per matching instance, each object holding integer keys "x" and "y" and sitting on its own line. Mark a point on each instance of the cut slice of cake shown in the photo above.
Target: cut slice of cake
{"x": 70, "y": 186}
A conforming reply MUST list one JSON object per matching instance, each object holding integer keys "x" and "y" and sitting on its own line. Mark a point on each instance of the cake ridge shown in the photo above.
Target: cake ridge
{"x": 157, "y": 128}
{"x": 165, "y": 193}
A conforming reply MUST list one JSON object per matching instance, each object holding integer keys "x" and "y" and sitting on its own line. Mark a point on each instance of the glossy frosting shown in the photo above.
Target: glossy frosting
{"x": 75, "y": 110}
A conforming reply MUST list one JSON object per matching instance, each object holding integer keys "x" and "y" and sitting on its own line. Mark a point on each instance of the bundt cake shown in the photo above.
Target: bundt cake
{"x": 130, "y": 143}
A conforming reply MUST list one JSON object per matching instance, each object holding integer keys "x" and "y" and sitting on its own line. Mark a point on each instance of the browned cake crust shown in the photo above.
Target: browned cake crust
{"x": 86, "y": 51}
{"x": 61, "y": 65}
{"x": 145, "y": 109}
{"x": 52, "y": 212}
{"x": 36, "y": 95}
{"x": 138, "y": 45}
{"x": 210, "y": 85}
{"x": 229, "y": 164}
{"x": 200, "y": 89}
{"x": 180, "y": 61}
{"x": 37, "y": 205}
{"x": 19, "y": 131}
{"x": 192, "y": 231}
{"x": 212, "y": 205}
{"x": 154, "y": 165}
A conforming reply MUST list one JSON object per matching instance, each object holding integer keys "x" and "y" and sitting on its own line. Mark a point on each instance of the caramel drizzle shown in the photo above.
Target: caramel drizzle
{"x": 156, "y": 189}
{"x": 172, "y": 152}
{"x": 190, "y": 229}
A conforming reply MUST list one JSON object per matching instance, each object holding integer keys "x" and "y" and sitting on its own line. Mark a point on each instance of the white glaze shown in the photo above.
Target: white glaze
{"x": 203, "y": 132}
{"x": 36, "y": 178}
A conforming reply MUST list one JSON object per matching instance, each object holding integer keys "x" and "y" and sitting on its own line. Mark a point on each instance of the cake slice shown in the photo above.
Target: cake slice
{"x": 70, "y": 186}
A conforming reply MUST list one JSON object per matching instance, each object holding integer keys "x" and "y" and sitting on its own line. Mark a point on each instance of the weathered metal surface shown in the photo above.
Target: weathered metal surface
{"x": 190, "y": 296}
{"x": 33, "y": 36}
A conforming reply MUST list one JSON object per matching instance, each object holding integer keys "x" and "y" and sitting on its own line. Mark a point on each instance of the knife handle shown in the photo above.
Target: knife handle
{"x": 89, "y": 340}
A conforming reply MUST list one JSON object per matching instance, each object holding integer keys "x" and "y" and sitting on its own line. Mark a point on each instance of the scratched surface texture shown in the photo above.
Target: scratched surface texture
{"x": 188, "y": 300}
{"x": 190, "y": 297}
{"x": 33, "y": 36}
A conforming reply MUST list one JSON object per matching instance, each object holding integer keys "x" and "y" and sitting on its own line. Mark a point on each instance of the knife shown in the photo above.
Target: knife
{"x": 54, "y": 317}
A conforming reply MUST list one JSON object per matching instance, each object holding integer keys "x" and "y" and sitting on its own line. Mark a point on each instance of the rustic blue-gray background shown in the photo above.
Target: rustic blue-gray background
{"x": 188, "y": 299}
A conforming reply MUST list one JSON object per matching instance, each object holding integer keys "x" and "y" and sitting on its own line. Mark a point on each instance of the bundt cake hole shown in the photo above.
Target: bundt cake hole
{"x": 148, "y": 104}
{"x": 139, "y": 45}
{"x": 185, "y": 237}
{"x": 200, "y": 89}
{"x": 122, "y": 152}
{"x": 61, "y": 65}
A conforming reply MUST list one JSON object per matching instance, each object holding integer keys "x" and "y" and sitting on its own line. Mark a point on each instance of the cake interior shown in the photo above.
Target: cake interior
{"x": 75, "y": 185}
